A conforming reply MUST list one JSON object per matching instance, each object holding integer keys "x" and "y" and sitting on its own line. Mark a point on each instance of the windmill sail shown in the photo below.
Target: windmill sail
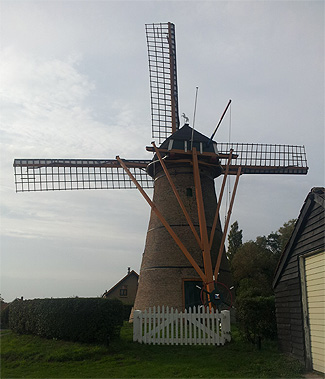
{"x": 163, "y": 79}
{"x": 260, "y": 158}
{"x": 77, "y": 174}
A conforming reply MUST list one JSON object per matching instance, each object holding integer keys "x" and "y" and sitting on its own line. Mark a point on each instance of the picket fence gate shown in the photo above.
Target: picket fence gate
{"x": 197, "y": 326}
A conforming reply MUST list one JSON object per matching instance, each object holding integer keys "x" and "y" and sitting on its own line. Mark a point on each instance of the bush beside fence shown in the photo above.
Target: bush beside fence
{"x": 73, "y": 319}
{"x": 256, "y": 318}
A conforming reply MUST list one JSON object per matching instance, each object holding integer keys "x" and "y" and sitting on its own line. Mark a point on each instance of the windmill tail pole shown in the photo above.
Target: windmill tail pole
{"x": 195, "y": 103}
{"x": 221, "y": 118}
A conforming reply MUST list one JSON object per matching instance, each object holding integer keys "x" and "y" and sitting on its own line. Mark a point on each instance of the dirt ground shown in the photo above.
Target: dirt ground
{"x": 314, "y": 375}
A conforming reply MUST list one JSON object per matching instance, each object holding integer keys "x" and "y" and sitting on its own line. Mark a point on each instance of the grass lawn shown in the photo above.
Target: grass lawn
{"x": 34, "y": 357}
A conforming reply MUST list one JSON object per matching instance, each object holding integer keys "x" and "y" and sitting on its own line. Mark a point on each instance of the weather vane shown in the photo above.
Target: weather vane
{"x": 186, "y": 119}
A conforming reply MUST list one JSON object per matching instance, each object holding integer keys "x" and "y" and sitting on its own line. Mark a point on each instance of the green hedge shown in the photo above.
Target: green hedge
{"x": 73, "y": 319}
{"x": 256, "y": 318}
{"x": 127, "y": 311}
{"x": 4, "y": 320}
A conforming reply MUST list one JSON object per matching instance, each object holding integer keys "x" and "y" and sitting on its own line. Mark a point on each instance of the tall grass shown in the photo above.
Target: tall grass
{"x": 33, "y": 357}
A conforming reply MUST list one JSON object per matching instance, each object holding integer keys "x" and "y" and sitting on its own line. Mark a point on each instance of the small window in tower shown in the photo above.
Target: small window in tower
{"x": 189, "y": 192}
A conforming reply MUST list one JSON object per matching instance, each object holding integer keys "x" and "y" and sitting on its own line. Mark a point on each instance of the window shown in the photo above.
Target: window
{"x": 123, "y": 292}
{"x": 189, "y": 192}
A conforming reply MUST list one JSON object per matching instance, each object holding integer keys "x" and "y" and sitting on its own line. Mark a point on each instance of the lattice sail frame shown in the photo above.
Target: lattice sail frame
{"x": 161, "y": 45}
{"x": 78, "y": 174}
{"x": 262, "y": 158}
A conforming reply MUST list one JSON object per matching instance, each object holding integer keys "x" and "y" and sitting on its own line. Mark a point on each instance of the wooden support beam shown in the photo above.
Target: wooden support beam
{"x": 180, "y": 202}
{"x": 222, "y": 245}
{"x": 202, "y": 221}
{"x": 190, "y": 162}
{"x": 164, "y": 222}
{"x": 216, "y": 217}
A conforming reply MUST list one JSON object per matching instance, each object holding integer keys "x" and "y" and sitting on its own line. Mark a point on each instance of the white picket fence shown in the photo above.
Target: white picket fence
{"x": 198, "y": 326}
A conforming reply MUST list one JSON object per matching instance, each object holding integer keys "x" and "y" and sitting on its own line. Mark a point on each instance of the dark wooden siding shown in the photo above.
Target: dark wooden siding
{"x": 309, "y": 238}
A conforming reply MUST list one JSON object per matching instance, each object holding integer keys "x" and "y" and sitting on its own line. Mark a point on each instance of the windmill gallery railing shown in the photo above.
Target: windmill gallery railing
{"x": 197, "y": 326}
{"x": 76, "y": 174}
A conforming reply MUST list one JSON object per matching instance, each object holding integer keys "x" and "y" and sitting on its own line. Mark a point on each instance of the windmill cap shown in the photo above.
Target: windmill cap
{"x": 183, "y": 140}
{"x": 186, "y": 133}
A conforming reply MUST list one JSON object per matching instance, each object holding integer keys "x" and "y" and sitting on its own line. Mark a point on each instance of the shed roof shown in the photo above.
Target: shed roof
{"x": 316, "y": 195}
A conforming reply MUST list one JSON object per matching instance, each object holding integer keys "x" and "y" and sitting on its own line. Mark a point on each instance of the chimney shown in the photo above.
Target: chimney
{"x": 129, "y": 270}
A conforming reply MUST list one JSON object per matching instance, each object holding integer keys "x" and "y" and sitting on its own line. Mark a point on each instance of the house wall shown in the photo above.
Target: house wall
{"x": 131, "y": 285}
{"x": 314, "y": 267}
{"x": 288, "y": 292}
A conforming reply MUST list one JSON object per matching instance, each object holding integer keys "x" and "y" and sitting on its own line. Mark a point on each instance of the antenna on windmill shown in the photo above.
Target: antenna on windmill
{"x": 221, "y": 118}
{"x": 195, "y": 103}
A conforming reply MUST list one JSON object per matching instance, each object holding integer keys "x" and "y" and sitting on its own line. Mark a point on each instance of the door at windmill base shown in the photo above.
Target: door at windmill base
{"x": 192, "y": 293}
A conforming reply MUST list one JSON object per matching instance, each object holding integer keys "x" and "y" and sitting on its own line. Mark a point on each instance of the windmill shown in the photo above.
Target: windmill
{"x": 183, "y": 262}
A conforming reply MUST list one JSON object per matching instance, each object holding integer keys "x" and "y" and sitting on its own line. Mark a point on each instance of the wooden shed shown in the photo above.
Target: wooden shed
{"x": 299, "y": 286}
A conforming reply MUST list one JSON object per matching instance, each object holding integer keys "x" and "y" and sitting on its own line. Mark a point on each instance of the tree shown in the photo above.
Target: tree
{"x": 252, "y": 269}
{"x": 235, "y": 240}
{"x": 253, "y": 265}
{"x": 285, "y": 232}
{"x": 275, "y": 242}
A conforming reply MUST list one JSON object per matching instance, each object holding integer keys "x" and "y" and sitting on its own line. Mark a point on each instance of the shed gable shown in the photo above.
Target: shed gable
{"x": 308, "y": 236}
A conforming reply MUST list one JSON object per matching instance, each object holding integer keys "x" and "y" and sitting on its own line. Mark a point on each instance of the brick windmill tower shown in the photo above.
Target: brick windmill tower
{"x": 183, "y": 263}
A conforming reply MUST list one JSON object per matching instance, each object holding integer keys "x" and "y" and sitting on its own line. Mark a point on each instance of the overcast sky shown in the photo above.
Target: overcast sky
{"x": 75, "y": 84}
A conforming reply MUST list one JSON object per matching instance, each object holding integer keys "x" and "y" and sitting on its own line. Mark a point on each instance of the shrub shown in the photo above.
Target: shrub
{"x": 4, "y": 320}
{"x": 127, "y": 311}
{"x": 74, "y": 319}
{"x": 256, "y": 318}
